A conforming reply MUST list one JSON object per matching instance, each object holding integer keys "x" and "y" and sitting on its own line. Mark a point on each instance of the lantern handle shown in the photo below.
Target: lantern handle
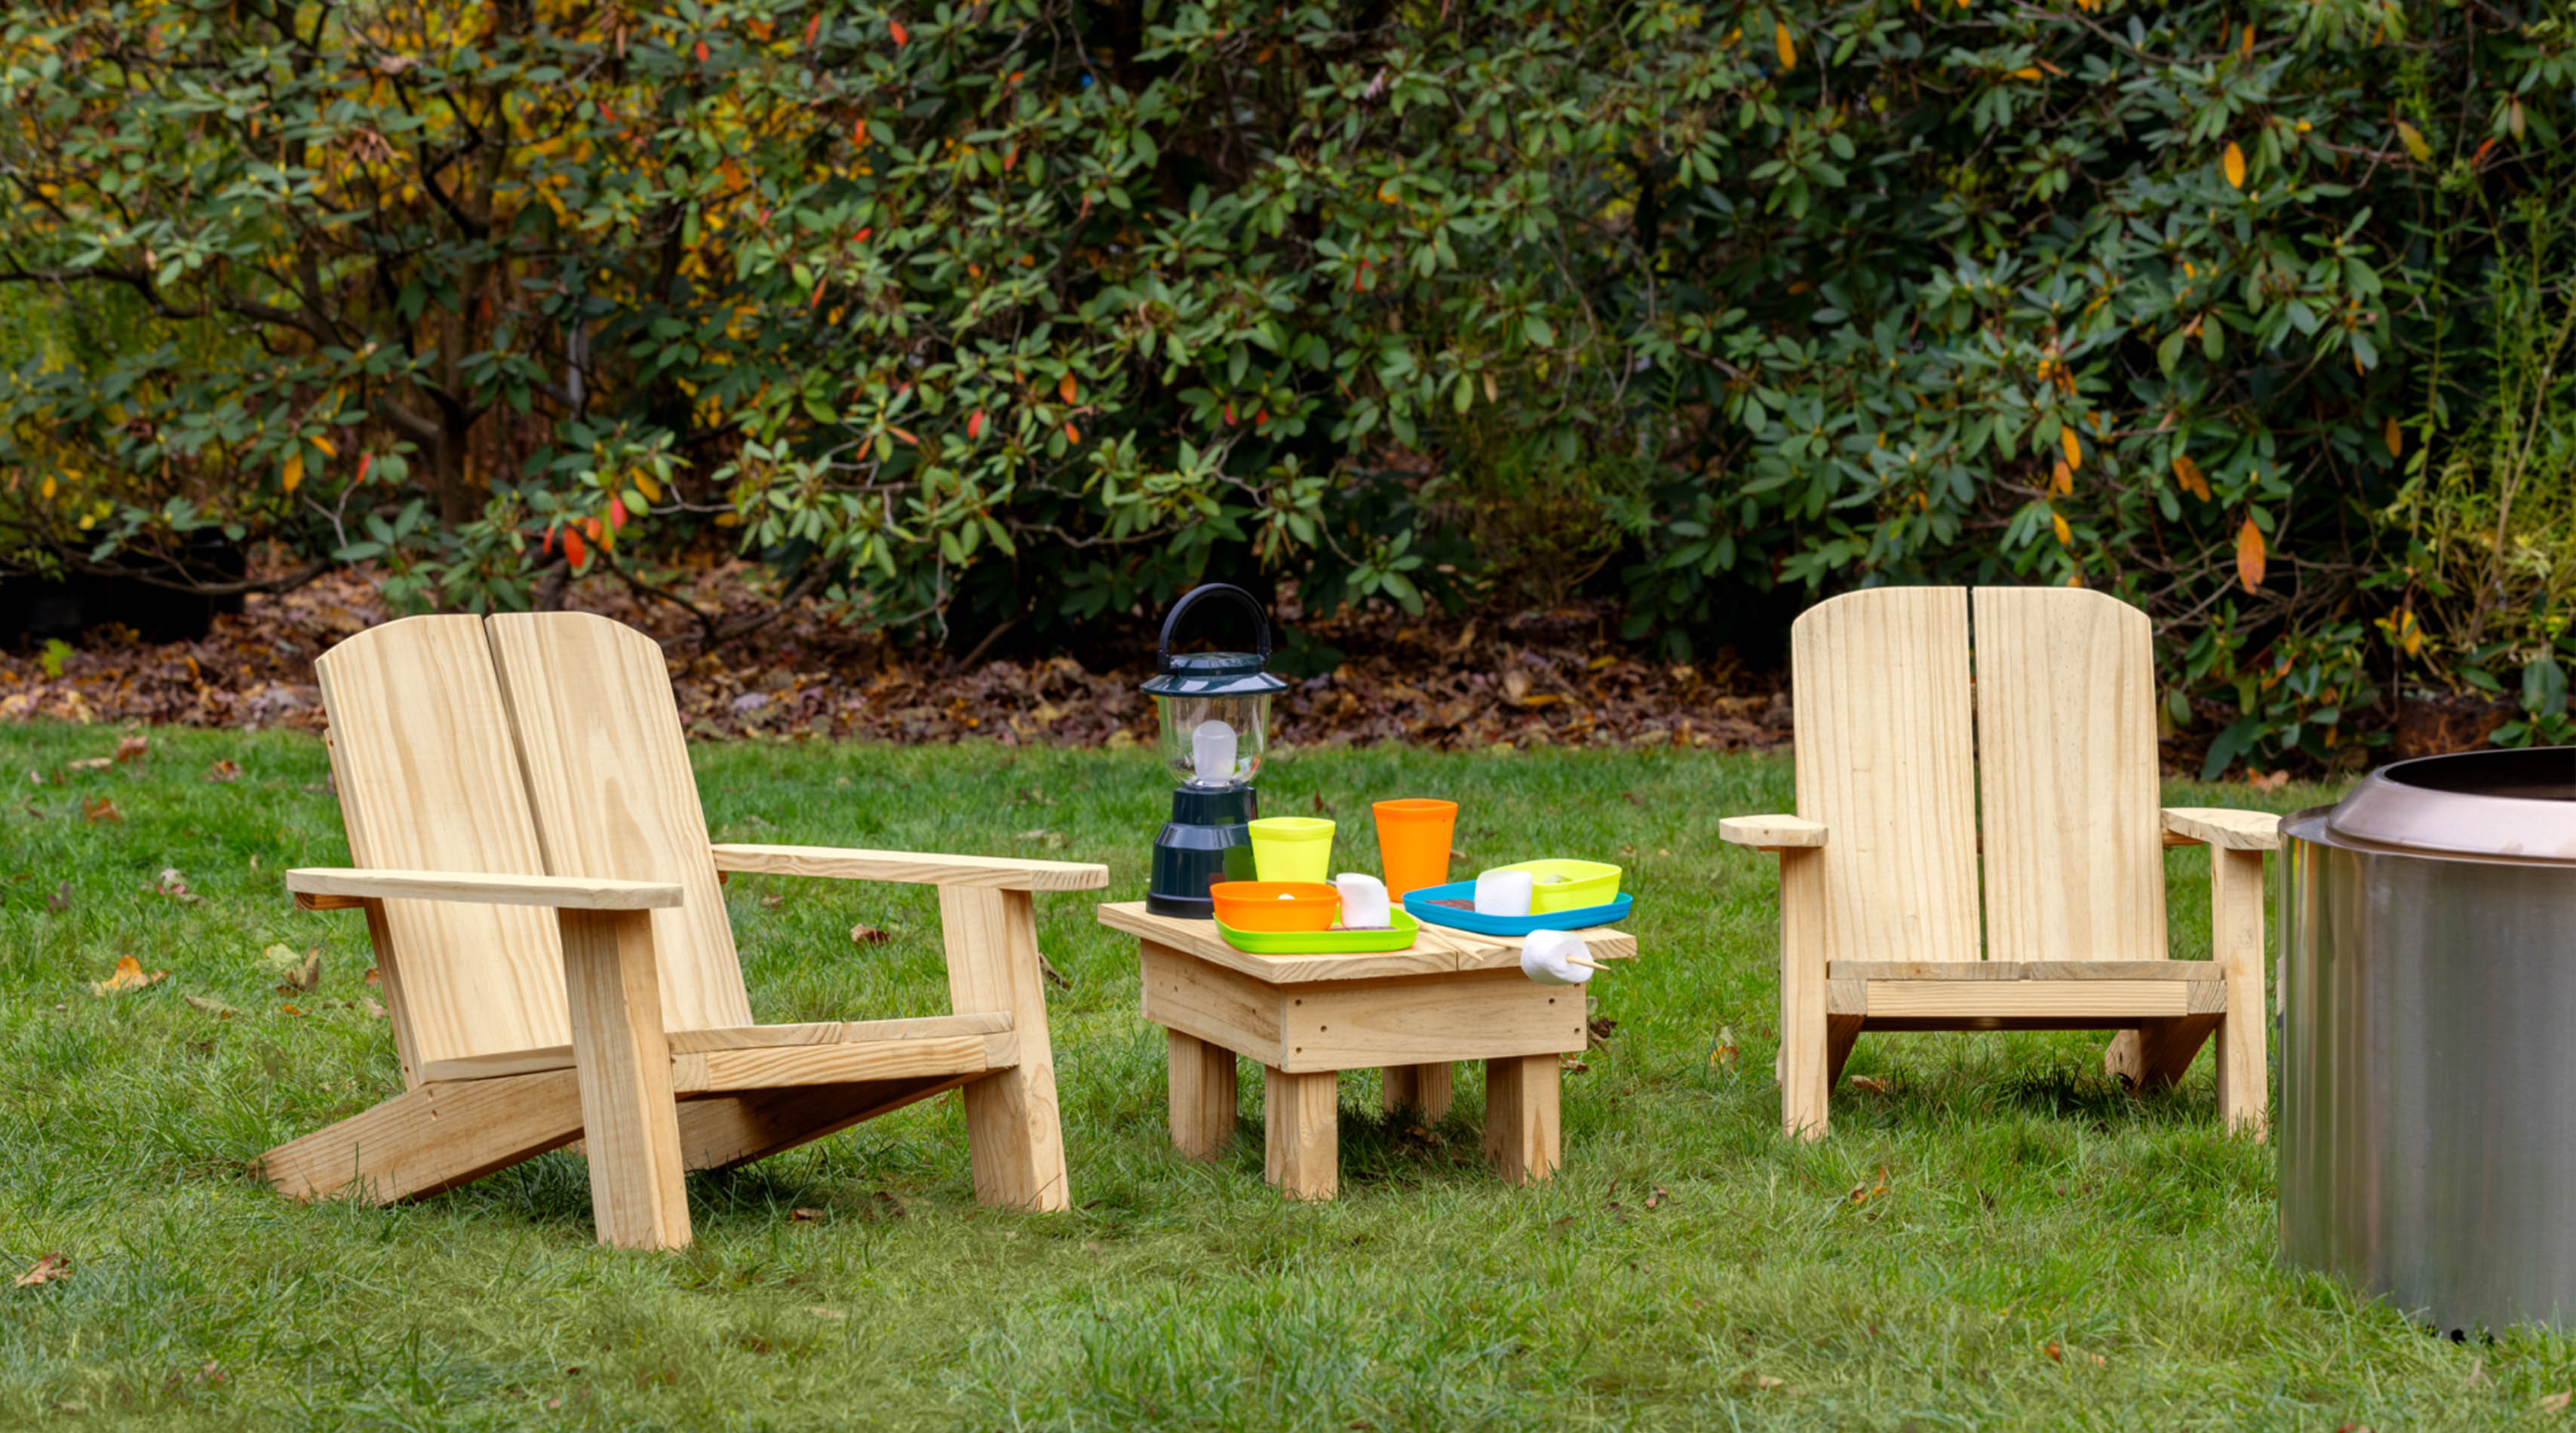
{"x": 1172, "y": 621}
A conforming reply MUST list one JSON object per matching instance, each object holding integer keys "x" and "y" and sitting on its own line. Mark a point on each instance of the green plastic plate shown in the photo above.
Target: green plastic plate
{"x": 1324, "y": 942}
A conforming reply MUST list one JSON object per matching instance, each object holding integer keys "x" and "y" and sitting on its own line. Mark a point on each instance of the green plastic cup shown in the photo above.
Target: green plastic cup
{"x": 1292, "y": 848}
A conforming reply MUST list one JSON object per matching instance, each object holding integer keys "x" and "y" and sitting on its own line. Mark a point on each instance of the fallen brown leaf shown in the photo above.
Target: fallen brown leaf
{"x": 1659, "y": 1197}
{"x": 49, "y": 1267}
{"x": 175, "y": 886}
{"x": 372, "y": 1009}
{"x": 835, "y": 1315}
{"x": 216, "y": 1008}
{"x": 1871, "y": 1085}
{"x": 1724, "y": 1053}
{"x": 306, "y": 977}
{"x": 133, "y": 748}
{"x": 1862, "y": 1194}
{"x": 868, "y": 935}
{"x": 2556, "y": 1402}
{"x": 101, "y": 808}
{"x": 224, "y": 770}
{"x": 61, "y": 900}
{"x": 129, "y": 976}
{"x": 803, "y": 1216}
{"x": 90, "y": 763}
{"x": 288, "y": 1010}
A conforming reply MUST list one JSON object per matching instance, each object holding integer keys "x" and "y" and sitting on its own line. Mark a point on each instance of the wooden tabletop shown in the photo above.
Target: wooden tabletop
{"x": 1437, "y": 951}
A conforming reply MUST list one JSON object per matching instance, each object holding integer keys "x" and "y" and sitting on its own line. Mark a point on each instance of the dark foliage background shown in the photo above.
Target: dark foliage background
{"x": 999, "y": 321}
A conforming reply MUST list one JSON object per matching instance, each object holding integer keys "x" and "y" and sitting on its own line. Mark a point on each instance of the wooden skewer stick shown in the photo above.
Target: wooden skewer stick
{"x": 1586, "y": 964}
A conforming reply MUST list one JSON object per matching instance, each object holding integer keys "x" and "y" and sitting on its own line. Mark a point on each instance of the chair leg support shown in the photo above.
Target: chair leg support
{"x": 2236, "y": 942}
{"x": 1014, "y": 1134}
{"x": 630, "y": 1122}
{"x": 1805, "y": 1059}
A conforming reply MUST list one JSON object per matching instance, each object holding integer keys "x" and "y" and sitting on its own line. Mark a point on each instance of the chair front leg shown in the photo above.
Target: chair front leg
{"x": 2236, "y": 944}
{"x": 1014, "y": 1133}
{"x": 630, "y": 1122}
{"x": 1805, "y": 1057}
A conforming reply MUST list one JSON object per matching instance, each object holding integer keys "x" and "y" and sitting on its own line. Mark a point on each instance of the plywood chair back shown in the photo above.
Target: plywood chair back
{"x": 1885, "y": 759}
{"x": 564, "y": 757}
{"x": 609, "y": 781}
{"x": 429, "y": 779}
{"x": 2067, "y": 766}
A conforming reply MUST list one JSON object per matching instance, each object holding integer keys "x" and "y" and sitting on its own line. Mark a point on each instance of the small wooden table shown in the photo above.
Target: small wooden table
{"x": 1449, "y": 996}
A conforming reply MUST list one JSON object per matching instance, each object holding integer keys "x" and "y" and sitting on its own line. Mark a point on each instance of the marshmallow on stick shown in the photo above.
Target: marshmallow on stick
{"x": 1556, "y": 957}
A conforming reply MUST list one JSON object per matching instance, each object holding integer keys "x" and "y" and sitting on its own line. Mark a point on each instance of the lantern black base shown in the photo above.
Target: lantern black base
{"x": 1206, "y": 841}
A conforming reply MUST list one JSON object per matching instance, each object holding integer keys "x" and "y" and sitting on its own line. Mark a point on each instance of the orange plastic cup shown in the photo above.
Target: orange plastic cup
{"x": 1413, "y": 843}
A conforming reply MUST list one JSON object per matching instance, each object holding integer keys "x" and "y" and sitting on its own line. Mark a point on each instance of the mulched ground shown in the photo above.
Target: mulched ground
{"x": 1528, "y": 679}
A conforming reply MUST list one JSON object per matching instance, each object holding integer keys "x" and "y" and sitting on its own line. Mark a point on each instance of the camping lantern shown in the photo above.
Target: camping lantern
{"x": 1215, "y": 713}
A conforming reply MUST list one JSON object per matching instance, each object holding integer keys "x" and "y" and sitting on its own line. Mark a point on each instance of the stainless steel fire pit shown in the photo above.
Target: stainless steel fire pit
{"x": 2428, "y": 1060}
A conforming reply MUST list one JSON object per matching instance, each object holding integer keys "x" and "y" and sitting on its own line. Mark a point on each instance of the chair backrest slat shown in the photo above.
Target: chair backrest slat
{"x": 613, "y": 795}
{"x": 2067, "y": 766}
{"x": 429, "y": 780}
{"x": 1885, "y": 760}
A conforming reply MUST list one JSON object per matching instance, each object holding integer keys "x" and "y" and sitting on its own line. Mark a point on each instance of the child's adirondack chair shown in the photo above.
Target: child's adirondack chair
{"x": 2053, "y": 778}
{"x": 490, "y": 770}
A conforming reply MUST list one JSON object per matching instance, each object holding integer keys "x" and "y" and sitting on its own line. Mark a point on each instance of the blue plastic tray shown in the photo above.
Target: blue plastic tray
{"x": 1419, "y": 904}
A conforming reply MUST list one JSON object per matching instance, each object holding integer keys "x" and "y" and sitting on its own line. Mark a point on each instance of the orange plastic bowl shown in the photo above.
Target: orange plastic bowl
{"x": 1256, "y": 905}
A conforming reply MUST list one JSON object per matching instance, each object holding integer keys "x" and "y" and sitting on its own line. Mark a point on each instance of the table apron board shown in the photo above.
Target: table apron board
{"x": 1356, "y": 1024}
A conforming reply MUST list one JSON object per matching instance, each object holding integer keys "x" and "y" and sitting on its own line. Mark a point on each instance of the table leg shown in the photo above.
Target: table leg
{"x": 1203, "y": 1096}
{"x": 1521, "y": 1117}
{"x": 1304, "y": 1155}
{"x": 1423, "y": 1087}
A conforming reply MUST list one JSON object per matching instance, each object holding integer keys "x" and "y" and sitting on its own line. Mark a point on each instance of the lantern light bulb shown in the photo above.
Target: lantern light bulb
{"x": 1212, "y": 753}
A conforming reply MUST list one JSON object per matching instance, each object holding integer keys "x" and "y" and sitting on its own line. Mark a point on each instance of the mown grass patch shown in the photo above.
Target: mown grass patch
{"x": 2029, "y": 1205}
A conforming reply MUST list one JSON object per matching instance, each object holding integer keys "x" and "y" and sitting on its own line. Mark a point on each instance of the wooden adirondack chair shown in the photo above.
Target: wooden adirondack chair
{"x": 491, "y": 771}
{"x": 2054, "y": 781}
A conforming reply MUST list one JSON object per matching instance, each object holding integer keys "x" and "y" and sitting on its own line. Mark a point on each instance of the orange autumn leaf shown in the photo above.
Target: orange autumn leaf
{"x": 129, "y": 976}
{"x": 2065, "y": 534}
{"x": 2234, "y": 160}
{"x": 2395, "y": 438}
{"x": 975, "y": 425}
{"x": 813, "y": 27}
{"x": 2061, "y": 480}
{"x": 1788, "y": 47}
{"x": 2074, "y": 449}
{"x": 1067, "y": 389}
{"x": 2249, "y": 555}
{"x": 702, "y": 52}
{"x": 294, "y": 473}
{"x": 901, "y": 35}
{"x": 2187, "y": 476}
{"x": 573, "y": 548}
{"x": 101, "y": 808}
{"x": 1072, "y": 434}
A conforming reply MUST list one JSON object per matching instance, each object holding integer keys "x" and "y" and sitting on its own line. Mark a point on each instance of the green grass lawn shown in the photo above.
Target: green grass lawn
{"x": 2029, "y": 1206}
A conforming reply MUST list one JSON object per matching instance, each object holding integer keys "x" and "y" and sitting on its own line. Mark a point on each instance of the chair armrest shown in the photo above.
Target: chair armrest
{"x": 577, "y": 893}
{"x": 918, "y": 868}
{"x": 2219, "y": 826}
{"x": 1771, "y": 833}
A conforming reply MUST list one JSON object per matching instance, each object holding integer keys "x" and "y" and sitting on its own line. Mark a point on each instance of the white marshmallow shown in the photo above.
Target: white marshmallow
{"x": 1504, "y": 893}
{"x": 1364, "y": 903}
{"x": 1548, "y": 957}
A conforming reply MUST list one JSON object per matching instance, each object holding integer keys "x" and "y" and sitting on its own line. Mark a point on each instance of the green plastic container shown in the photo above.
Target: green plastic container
{"x": 1324, "y": 942}
{"x": 1569, "y": 885}
{"x": 1292, "y": 848}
